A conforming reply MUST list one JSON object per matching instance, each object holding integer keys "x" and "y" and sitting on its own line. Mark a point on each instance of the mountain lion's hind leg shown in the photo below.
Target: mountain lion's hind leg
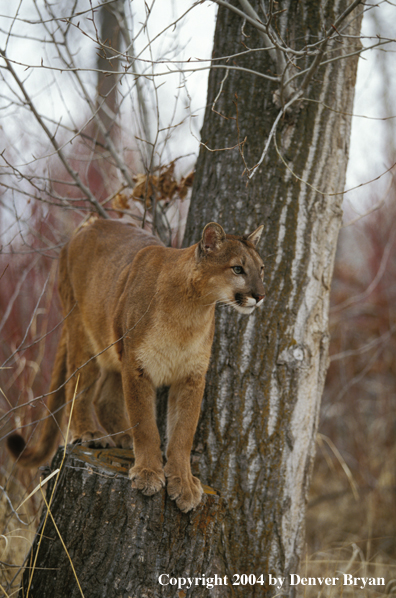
{"x": 184, "y": 403}
{"x": 83, "y": 425}
{"x": 110, "y": 409}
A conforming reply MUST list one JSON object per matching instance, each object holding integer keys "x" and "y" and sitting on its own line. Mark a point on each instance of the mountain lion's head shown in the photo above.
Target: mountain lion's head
{"x": 232, "y": 267}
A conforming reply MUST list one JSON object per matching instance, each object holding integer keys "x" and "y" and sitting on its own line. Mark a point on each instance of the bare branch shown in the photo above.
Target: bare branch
{"x": 329, "y": 33}
{"x": 53, "y": 141}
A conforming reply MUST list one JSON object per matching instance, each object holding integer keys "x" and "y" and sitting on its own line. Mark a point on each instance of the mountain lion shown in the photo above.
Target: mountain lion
{"x": 140, "y": 316}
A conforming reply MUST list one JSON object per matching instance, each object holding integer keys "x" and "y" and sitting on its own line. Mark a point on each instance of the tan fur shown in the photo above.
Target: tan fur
{"x": 142, "y": 316}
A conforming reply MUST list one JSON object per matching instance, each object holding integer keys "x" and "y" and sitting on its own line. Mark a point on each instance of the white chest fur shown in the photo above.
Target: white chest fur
{"x": 168, "y": 357}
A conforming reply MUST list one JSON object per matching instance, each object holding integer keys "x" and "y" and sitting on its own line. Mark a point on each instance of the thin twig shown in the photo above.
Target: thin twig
{"x": 11, "y": 507}
{"x": 53, "y": 141}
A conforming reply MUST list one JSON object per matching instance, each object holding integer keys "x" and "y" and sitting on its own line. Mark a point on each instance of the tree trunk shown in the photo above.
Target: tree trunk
{"x": 110, "y": 36}
{"x": 119, "y": 541}
{"x": 256, "y": 438}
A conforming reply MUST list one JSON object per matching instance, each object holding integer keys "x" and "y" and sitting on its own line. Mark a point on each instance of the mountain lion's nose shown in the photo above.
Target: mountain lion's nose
{"x": 258, "y": 298}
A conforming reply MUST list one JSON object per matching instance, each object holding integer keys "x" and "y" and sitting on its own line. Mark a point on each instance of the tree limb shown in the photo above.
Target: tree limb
{"x": 87, "y": 192}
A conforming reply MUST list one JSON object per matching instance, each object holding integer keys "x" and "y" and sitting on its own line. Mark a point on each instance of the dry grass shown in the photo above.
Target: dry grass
{"x": 27, "y": 267}
{"x": 348, "y": 533}
{"x": 17, "y": 528}
{"x": 350, "y": 560}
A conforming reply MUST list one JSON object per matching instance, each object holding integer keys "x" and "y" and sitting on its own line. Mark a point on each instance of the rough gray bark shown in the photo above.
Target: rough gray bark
{"x": 119, "y": 541}
{"x": 256, "y": 438}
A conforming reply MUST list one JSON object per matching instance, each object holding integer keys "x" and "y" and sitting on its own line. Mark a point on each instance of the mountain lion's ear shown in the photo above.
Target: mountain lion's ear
{"x": 255, "y": 236}
{"x": 212, "y": 237}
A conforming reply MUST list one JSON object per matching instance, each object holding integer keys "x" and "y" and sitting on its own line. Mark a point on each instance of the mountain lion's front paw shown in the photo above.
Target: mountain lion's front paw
{"x": 93, "y": 439}
{"x": 185, "y": 489}
{"x": 123, "y": 441}
{"x": 147, "y": 480}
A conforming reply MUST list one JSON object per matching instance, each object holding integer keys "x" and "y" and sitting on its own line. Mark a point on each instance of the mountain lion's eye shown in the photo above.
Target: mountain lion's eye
{"x": 237, "y": 269}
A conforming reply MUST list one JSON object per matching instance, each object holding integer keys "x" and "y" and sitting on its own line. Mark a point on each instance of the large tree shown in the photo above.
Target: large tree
{"x": 256, "y": 438}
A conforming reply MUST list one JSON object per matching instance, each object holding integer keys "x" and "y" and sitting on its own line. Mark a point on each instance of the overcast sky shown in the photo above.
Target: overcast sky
{"x": 372, "y": 148}
{"x": 373, "y": 142}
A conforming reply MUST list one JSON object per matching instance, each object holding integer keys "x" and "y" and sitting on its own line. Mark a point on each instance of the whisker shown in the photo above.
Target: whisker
{"x": 228, "y": 301}
{"x": 224, "y": 301}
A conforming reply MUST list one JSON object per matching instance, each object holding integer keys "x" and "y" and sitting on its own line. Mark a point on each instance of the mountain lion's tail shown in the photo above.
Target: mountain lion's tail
{"x": 35, "y": 456}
